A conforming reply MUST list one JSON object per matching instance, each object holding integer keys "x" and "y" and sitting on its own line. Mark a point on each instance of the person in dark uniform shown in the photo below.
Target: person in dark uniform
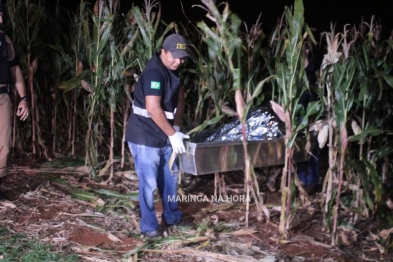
{"x": 308, "y": 172}
{"x": 153, "y": 132}
{"x": 10, "y": 73}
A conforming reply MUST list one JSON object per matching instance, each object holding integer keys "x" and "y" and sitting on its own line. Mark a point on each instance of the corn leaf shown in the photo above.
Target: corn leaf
{"x": 113, "y": 194}
{"x": 84, "y": 195}
{"x": 369, "y": 131}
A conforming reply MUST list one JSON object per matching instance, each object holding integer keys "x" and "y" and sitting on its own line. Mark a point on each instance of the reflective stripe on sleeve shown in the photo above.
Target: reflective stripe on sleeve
{"x": 143, "y": 112}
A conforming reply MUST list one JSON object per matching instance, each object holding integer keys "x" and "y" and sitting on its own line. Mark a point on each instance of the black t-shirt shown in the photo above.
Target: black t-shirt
{"x": 155, "y": 80}
{"x": 9, "y": 61}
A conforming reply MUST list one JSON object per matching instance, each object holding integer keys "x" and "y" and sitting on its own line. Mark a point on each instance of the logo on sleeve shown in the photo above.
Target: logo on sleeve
{"x": 155, "y": 85}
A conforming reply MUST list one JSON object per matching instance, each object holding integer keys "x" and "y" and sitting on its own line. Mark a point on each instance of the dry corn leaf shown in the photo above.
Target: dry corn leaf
{"x": 331, "y": 58}
{"x": 240, "y": 105}
{"x": 355, "y": 128}
{"x": 323, "y": 135}
{"x": 7, "y": 204}
{"x": 283, "y": 241}
{"x": 100, "y": 202}
{"x": 180, "y": 191}
{"x": 214, "y": 219}
{"x": 317, "y": 125}
{"x": 96, "y": 8}
{"x": 389, "y": 203}
{"x": 344, "y": 238}
{"x": 86, "y": 86}
{"x": 279, "y": 110}
{"x": 374, "y": 236}
{"x": 385, "y": 233}
{"x": 343, "y": 137}
{"x": 329, "y": 189}
{"x": 228, "y": 110}
{"x": 243, "y": 231}
{"x": 130, "y": 175}
{"x": 265, "y": 211}
{"x": 372, "y": 249}
{"x": 381, "y": 248}
{"x": 307, "y": 147}
{"x": 79, "y": 68}
{"x": 114, "y": 238}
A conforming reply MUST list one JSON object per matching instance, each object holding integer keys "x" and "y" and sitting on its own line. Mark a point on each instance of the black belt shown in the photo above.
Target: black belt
{"x": 3, "y": 89}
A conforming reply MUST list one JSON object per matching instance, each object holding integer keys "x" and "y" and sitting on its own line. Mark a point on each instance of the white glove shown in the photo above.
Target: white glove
{"x": 177, "y": 142}
{"x": 177, "y": 128}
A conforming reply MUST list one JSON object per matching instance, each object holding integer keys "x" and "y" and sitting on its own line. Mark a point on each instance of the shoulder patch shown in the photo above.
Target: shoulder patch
{"x": 155, "y": 85}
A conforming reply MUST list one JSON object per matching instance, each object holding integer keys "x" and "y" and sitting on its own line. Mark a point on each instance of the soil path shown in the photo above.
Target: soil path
{"x": 41, "y": 206}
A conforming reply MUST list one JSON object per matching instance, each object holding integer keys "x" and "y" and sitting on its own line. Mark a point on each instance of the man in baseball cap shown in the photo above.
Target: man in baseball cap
{"x": 177, "y": 45}
{"x": 153, "y": 133}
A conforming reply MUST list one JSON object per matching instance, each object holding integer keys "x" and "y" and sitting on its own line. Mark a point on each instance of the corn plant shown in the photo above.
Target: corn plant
{"x": 147, "y": 28}
{"x": 354, "y": 77}
{"x": 291, "y": 82}
{"x": 224, "y": 46}
{"x": 255, "y": 68}
{"x": 27, "y": 18}
{"x": 70, "y": 64}
{"x": 91, "y": 63}
{"x": 212, "y": 85}
{"x": 374, "y": 83}
{"x": 91, "y": 48}
{"x": 96, "y": 56}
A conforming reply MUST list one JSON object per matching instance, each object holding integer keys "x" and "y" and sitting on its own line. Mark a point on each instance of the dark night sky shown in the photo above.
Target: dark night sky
{"x": 318, "y": 13}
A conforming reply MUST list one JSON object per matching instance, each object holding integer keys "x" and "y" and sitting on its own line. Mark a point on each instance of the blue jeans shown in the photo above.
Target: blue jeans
{"x": 151, "y": 166}
{"x": 308, "y": 172}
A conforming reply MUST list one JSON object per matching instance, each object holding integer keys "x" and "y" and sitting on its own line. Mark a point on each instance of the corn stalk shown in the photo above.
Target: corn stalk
{"x": 376, "y": 59}
{"x": 225, "y": 46}
{"x": 71, "y": 69}
{"x": 354, "y": 80}
{"x": 292, "y": 82}
{"x": 96, "y": 56}
{"x": 27, "y": 18}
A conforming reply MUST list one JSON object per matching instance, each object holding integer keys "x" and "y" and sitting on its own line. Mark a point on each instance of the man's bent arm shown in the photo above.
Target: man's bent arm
{"x": 179, "y": 108}
{"x": 17, "y": 76}
{"x": 153, "y": 107}
{"x": 23, "y": 108}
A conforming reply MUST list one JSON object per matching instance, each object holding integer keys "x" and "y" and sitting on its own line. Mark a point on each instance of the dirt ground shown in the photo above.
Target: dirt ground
{"x": 41, "y": 206}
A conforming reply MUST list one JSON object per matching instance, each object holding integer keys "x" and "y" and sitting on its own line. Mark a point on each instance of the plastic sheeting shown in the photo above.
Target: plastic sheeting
{"x": 261, "y": 124}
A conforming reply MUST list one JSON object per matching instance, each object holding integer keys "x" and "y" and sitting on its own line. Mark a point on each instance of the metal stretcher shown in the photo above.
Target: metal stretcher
{"x": 214, "y": 157}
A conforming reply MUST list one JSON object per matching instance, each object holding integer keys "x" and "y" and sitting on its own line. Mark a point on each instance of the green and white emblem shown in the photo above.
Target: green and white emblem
{"x": 155, "y": 85}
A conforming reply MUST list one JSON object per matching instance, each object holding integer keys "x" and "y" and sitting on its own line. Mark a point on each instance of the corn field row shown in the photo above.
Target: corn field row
{"x": 80, "y": 72}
